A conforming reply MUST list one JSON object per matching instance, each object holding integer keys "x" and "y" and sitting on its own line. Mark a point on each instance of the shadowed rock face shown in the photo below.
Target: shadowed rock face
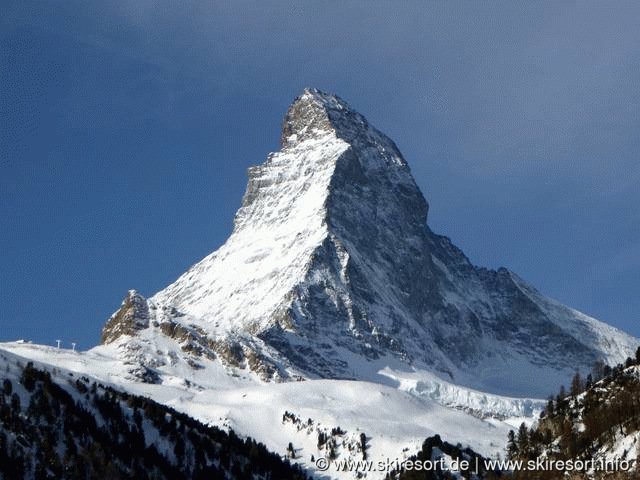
{"x": 331, "y": 263}
{"x": 383, "y": 282}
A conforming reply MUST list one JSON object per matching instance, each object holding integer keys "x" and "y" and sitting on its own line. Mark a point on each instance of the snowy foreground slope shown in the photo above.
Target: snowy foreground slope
{"x": 395, "y": 421}
{"x": 57, "y": 424}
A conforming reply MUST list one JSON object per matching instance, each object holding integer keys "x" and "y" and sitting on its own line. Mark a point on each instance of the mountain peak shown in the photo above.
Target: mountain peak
{"x": 315, "y": 113}
{"x": 330, "y": 149}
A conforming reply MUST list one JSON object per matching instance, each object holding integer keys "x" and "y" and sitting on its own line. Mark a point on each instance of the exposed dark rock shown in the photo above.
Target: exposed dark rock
{"x": 132, "y": 316}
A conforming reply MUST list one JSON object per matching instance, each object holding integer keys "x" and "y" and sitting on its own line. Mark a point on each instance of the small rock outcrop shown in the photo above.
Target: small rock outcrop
{"x": 132, "y": 316}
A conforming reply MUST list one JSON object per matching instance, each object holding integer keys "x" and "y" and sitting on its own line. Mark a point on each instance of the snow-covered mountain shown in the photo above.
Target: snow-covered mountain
{"x": 332, "y": 275}
{"x": 332, "y": 272}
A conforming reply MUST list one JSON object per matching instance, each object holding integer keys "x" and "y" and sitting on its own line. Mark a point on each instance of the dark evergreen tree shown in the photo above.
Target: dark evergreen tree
{"x": 550, "y": 409}
{"x": 523, "y": 440}
{"x": 599, "y": 370}
{"x": 589, "y": 382}
{"x": 7, "y": 387}
{"x": 322, "y": 439}
{"x": 576, "y": 384}
{"x": 363, "y": 445}
{"x": 291, "y": 452}
{"x": 512, "y": 446}
{"x": 15, "y": 403}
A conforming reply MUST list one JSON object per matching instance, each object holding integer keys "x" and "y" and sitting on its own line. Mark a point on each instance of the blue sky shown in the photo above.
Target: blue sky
{"x": 127, "y": 128}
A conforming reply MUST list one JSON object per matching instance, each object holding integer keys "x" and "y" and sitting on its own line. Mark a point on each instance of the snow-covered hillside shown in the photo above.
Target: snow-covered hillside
{"x": 395, "y": 421}
{"x": 596, "y": 428}
{"x": 58, "y": 424}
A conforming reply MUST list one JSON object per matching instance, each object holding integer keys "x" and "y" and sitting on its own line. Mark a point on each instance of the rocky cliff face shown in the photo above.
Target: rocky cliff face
{"x": 331, "y": 271}
{"x": 132, "y": 316}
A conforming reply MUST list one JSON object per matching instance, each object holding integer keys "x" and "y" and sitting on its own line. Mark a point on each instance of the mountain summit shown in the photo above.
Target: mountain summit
{"x": 331, "y": 271}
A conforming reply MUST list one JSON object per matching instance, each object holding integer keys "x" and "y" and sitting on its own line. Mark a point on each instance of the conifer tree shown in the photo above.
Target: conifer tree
{"x": 523, "y": 440}
{"x": 512, "y": 447}
{"x": 576, "y": 384}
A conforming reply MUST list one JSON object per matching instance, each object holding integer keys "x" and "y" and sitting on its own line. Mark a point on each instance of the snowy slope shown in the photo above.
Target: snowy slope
{"x": 271, "y": 244}
{"x": 394, "y": 420}
{"x": 597, "y": 427}
{"x": 55, "y": 423}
